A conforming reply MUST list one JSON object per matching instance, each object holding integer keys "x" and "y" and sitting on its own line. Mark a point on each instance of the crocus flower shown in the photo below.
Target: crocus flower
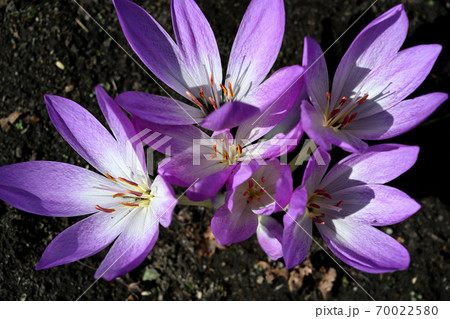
{"x": 346, "y": 203}
{"x": 253, "y": 193}
{"x": 205, "y": 163}
{"x": 192, "y": 65}
{"x": 126, "y": 207}
{"x": 369, "y": 87}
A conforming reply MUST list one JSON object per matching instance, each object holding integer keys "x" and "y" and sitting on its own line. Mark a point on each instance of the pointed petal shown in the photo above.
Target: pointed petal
{"x": 124, "y": 131}
{"x": 229, "y": 228}
{"x": 394, "y": 81}
{"x": 159, "y": 109}
{"x": 83, "y": 239}
{"x": 86, "y": 135}
{"x": 376, "y": 44}
{"x": 399, "y": 119}
{"x": 376, "y": 205}
{"x": 363, "y": 247}
{"x": 163, "y": 202}
{"x": 297, "y": 234}
{"x": 316, "y": 74}
{"x": 153, "y": 46}
{"x": 131, "y": 248}
{"x": 270, "y": 236}
{"x": 274, "y": 97}
{"x": 229, "y": 115}
{"x": 196, "y": 41}
{"x": 378, "y": 165}
{"x": 284, "y": 188}
{"x": 53, "y": 189}
{"x": 315, "y": 169}
{"x": 256, "y": 45}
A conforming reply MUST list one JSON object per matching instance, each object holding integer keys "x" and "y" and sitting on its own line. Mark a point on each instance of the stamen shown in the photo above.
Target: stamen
{"x": 328, "y": 96}
{"x": 319, "y": 191}
{"x": 250, "y": 183}
{"x": 312, "y": 205}
{"x": 239, "y": 149}
{"x": 129, "y": 204}
{"x": 213, "y": 156}
{"x": 211, "y": 81}
{"x": 138, "y": 194}
{"x": 318, "y": 221}
{"x": 345, "y": 121}
{"x": 250, "y": 200}
{"x": 230, "y": 90}
{"x": 202, "y": 94}
{"x": 105, "y": 210}
{"x": 343, "y": 100}
{"x": 263, "y": 179}
{"x": 215, "y": 147}
{"x": 262, "y": 191}
{"x": 118, "y": 195}
{"x": 213, "y": 103}
{"x": 225, "y": 154}
{"x": 334, "y": 112}
{"x": 363, "y": 99}
{"x": 194, "y": 99}
{"x": 245, "y": 193}
{"x": 110, "y": 177}
{"x": 224, "y": 89}
{"x": 352, "y": 117}
{"x": 339, "y": 203}
{"x": 128, "y": 182}
{"x": 327, "y": 196}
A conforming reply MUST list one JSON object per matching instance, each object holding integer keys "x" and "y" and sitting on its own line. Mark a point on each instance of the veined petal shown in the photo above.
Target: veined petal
{"x": 312, "y": 124}
{"x": 159, "y": 109}
{"x": 168, "y": 139}
{"x": 363, "y": 247}
{"x": 274, "y": 97}
{"x": 378, "y": 165}
{"x": 270, "y": 236}
{"x": 376, "y": 44}
{"x": 229, "y": 115}
{"x": 316, "y": 74}
{"x": 196, "y": 41}
{"x": 233, "y": 227}
{"x": 84, "y": 239}
{"x": 53, "y": 188}
{"x": 398, "y": 119}
{"x": 393, "y": 82}
{"x": 283, "y": 188}
{"x": 163, "y": 202}
{"x": 297, "y": 234}
{"x": 132, "y": 246}
{"x": 86, "y": 135}
{"x": 376, "y": 205}
{"x": 208, "y": 186}
{"x": 131, "y": 150}
{"x": 315, "y": 169}
{"x": 256, "y": 45}
{"x": 153, "y": 46}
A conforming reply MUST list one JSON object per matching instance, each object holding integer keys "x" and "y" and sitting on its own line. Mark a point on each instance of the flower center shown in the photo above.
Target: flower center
{"x": 226, "y": 152}
{"x": 136, "y": 195}
{"x": 341, "y": 115}
{"x": 211, "y": 100}
{"x": 254, "y": 191}
{"x": 319, "y": 203}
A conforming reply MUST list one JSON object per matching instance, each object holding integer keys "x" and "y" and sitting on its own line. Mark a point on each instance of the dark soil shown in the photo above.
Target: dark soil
{"x": 185, "y": 264}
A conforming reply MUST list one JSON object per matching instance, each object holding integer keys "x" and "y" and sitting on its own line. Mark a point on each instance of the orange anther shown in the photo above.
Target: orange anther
{"x": 230, "y": 90}
{"x": 110, "y": 177}
{"x": 105, "y": 210}
{"x": 194, "y": 99}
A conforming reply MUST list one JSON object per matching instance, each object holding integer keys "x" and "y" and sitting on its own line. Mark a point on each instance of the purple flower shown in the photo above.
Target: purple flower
{"x": 346, "y": 202}
{"x": 127, "y": 207}
{"x": 193, "y": 68}
{"x": 253, "y": 193}
{"x": 369, "y": 86}
{"x": 206, "y": 162}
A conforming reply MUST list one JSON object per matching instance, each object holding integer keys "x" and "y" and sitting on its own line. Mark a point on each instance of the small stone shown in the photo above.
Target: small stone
{"x": 389, "y": 231}
{"x": 59, "y": 65}
{"x": 69, "y": 88}
{"x": 414, "y": 280}
{"x": 259, "y": 280}
{"x": 199, "y": 295}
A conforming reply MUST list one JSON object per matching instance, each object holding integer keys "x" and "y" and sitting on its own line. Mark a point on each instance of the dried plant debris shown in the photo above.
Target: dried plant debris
{"x": 327, "y": 282}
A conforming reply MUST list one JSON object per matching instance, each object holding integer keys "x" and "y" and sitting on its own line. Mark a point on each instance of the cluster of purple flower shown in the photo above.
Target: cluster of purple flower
{"x": 231, "y": 135}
